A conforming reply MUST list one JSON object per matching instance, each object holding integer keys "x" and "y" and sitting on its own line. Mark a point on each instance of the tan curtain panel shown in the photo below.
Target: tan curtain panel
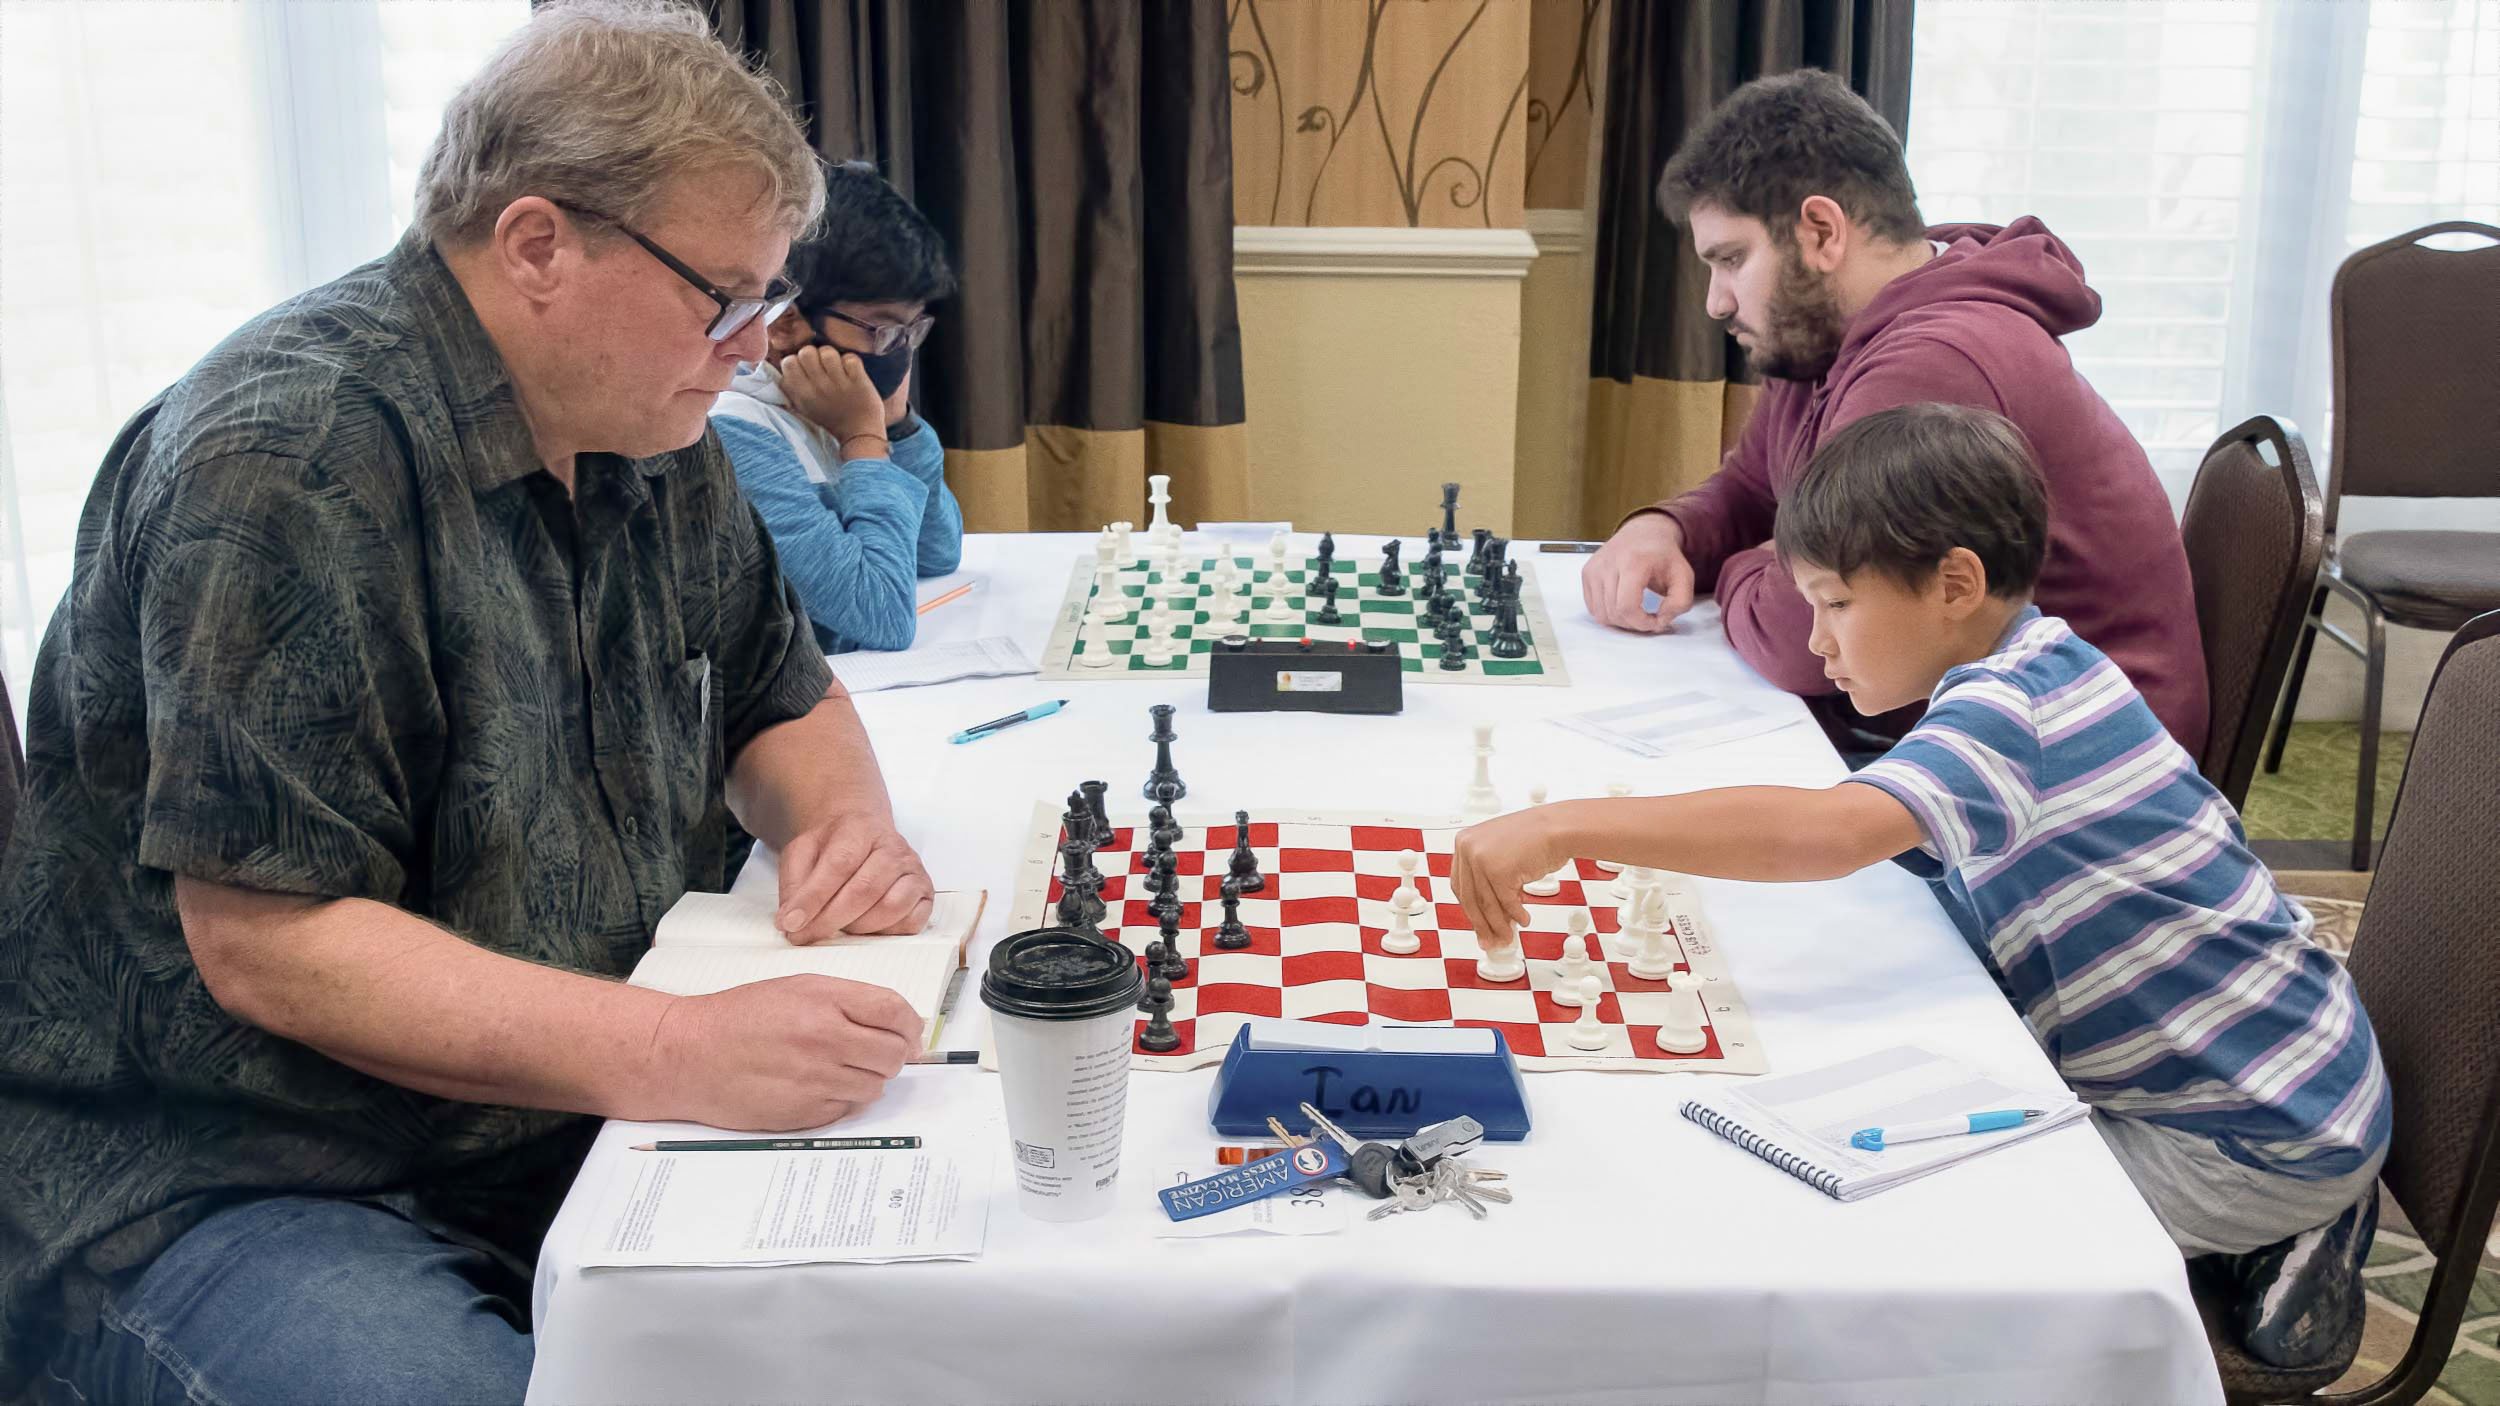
{"x": 1076, "y": 155}
{"x": 1668, "y": 388}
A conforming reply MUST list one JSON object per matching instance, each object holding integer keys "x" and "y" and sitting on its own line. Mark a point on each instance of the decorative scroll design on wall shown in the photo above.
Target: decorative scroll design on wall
{"x": 1434, "y": 89}
{"x": 1569, "y": 114}
{"x": 1254, "y": 74}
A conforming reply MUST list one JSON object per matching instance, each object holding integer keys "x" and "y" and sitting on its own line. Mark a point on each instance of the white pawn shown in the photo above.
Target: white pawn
{"x": 1400, "y": 940}
{"x": 1588, "y": 1033}
{"x": 1500, "y": 960}
{"x": 1654, "y": 959}
{"x": 1120, "y": 533}
{"x": 1281, "y": 608}
{"x": 1408, "y": 899}
{"x": 1615, "y": 788}
{"x": 1576, "y": 962}
{"x": 1483, "y": 802}
{"x": 1157, "y": 648}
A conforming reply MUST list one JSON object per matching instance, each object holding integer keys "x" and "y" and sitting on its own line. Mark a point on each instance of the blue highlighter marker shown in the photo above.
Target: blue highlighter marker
{"x": 980, "y": 730}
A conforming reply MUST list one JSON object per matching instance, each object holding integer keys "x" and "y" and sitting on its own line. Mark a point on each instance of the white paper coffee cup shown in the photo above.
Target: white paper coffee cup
{"x": 1062, "y": 1006}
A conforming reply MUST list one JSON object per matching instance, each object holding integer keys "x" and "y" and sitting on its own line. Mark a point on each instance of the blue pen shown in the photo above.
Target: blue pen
{"x": 1877, "y": 1139}
{"x": 981, "y": 730}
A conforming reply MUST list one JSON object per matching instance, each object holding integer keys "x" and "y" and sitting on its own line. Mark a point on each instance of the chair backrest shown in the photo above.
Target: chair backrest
{"x": 2416, "y": 334}
{"x": 2427, "y": 962}
{"x": 2255, "y": 532}
{"x": 12, "y": 768}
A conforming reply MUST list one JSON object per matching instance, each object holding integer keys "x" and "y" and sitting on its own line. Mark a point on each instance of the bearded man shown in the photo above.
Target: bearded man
{"x": 1799, "y": 200}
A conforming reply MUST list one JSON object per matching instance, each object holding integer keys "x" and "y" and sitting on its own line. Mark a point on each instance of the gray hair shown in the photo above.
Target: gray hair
{"x": 603, "y": 104}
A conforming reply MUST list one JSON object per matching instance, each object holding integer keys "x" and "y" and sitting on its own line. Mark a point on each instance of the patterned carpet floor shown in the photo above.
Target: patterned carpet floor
{"x": 2311, "y": 799}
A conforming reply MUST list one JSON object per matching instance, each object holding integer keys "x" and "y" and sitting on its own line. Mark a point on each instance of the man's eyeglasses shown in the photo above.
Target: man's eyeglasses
{"x": 735, "y": 311}
{"x": 884, "y": 337}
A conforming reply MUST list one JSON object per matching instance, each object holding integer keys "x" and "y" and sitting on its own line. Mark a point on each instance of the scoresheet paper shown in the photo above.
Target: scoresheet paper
{"x": 755, "y": 1208}
{"x": 1676, "y": 723}
{"x": 873, "y": 670}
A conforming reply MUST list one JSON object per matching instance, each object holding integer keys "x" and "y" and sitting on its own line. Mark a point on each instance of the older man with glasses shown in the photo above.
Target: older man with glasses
{"x": 420, "y": 649}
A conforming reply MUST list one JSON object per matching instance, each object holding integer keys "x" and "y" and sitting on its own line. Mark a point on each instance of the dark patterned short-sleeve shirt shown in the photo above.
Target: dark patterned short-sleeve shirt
{"x": 334, "y": 631}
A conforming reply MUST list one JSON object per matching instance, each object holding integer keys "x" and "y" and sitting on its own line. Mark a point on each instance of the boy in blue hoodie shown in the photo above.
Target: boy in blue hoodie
{"x": 850, "y": 482}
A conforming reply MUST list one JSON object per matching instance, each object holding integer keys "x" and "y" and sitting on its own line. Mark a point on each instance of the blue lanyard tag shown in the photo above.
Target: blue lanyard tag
{"x": 1249, "y": 1182}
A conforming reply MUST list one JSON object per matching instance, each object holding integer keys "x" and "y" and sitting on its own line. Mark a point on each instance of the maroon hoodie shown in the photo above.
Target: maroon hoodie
{"x": 1976, "y": 325}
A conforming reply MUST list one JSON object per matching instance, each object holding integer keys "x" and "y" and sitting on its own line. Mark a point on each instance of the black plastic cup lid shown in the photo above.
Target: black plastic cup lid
{"x": 1060, "y": 974}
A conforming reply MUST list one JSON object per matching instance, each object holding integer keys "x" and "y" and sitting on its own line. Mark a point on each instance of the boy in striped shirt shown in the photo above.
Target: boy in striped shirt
{"x": 2105, "y": 884}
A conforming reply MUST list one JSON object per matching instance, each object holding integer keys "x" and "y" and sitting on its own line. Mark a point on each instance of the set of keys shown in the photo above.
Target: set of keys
{"x": 1415, "y": 1174}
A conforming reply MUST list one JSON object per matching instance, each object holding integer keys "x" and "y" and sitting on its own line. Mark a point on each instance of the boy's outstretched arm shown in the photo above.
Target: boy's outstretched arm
{"x": 1767, "y": 834}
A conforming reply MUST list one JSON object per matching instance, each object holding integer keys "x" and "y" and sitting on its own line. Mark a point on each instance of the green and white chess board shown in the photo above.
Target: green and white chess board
{"x": 1083, "y": 647}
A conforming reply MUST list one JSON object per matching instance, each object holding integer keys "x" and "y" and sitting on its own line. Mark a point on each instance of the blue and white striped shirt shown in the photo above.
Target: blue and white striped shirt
{"x": 2117, "y": 902}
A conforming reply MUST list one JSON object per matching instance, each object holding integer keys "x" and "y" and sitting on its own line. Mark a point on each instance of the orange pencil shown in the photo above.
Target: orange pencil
{"x": 935, "y": 601}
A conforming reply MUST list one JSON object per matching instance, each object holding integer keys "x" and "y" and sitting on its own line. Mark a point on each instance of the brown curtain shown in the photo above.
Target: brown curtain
{"x": 1668, "y": 388}
{"x": 1077, "y": 157}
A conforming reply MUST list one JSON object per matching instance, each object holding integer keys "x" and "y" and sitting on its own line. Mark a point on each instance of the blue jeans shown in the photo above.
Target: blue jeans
{"x": 305, "y": 1299}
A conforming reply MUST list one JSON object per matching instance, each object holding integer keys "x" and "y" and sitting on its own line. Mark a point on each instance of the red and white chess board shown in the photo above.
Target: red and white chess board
{"x": 1315, "y": 943}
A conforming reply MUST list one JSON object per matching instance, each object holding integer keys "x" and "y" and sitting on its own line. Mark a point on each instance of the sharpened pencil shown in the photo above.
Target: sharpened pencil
{"x": 934, "y": 602}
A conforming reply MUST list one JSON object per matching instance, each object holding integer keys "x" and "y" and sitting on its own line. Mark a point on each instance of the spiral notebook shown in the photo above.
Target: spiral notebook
{"x": 1800, "y": 1123}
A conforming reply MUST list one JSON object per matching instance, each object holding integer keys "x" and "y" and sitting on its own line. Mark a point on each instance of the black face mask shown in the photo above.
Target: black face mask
{"x": 887, "y": 371}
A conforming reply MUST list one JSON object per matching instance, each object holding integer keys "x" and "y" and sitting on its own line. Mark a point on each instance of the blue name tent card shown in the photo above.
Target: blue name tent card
{"x": 1376, "y": 1081}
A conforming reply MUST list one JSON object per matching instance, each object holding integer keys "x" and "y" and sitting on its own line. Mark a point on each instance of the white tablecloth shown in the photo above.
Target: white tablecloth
{"x": 1643, "y": 1261}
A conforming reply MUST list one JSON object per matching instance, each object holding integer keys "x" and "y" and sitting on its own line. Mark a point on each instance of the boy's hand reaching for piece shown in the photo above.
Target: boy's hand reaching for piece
{"x": 1490, "y": 862}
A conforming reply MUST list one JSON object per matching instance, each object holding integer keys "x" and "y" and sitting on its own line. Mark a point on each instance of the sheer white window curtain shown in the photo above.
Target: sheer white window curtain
{"x": 2211, "y": 164}
{"x": 167, "y": 169}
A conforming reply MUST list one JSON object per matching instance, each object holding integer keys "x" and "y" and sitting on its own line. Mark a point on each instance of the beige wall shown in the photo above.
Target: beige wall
{"x": 1552, "y": 440}
{"x": 1377, "y": 365}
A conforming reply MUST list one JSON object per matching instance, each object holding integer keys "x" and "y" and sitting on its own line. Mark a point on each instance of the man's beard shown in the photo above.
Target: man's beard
{"x": 1802, "y": 327}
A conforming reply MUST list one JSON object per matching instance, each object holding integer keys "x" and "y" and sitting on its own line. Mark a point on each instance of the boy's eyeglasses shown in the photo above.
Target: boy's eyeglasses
{"x": 736, "y": 311}
{"x": 884, "y": 337}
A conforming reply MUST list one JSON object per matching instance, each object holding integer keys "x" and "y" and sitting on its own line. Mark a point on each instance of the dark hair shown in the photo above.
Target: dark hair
{"x": 1778, "y": 140}
{"x": 1899, "y": 489}
{"x": 870, "y": 247}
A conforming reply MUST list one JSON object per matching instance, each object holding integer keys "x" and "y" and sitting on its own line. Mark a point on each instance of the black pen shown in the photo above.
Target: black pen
{"x": 784, "y": 1144}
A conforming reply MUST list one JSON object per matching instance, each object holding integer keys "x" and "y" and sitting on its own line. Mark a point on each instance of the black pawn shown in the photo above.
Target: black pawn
{"x": 1166, "y": 831}
{"x": 1391, "y": 582}
{"x": 1163, "y": 777}
{"x": 1163, "y": 876}
{"x": 1449, "y": 512}
{"x": 1328, "y": 603}
{"x": 1475, "y": 556}
{"x": 1159, "y": 1037}
{"x": 1232, "y": 937}
{"x": 1453, "y": 646}
{"x": 1510, "y": 581}
{"x": 1174, "y": 966}
{"x": 1149, "y": 999}
{"x": 1489, "y": 569}
{"x": 1245, "y": 863}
